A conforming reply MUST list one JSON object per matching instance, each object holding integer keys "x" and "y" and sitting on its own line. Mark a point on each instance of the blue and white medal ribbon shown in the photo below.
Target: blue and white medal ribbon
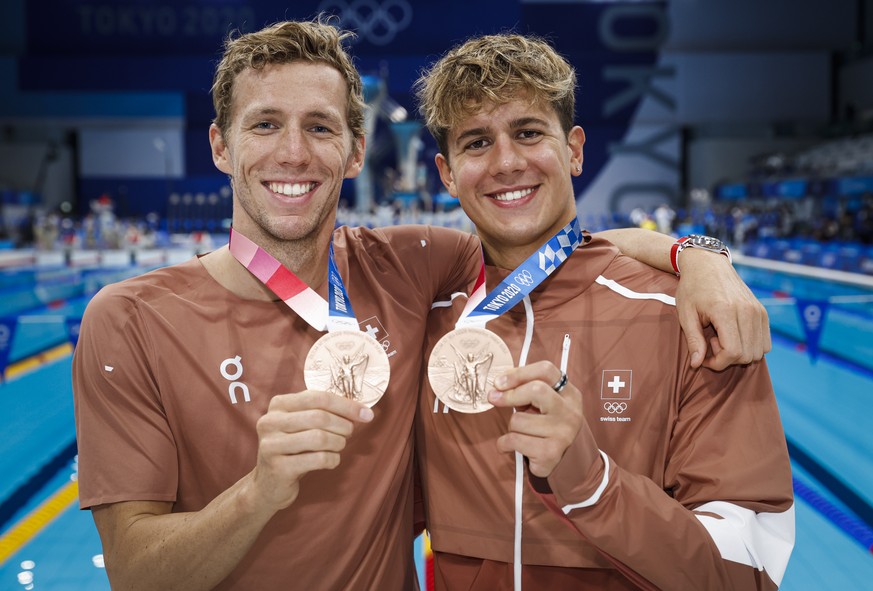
{"x": 526, "y": 278}
{"x": 340, "y": 315}
{"x": 464, "y": 363}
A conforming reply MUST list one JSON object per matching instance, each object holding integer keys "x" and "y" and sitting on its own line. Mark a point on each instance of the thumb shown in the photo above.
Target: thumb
{"x": 718, "y": 361}
{"x": 693, "y": 330}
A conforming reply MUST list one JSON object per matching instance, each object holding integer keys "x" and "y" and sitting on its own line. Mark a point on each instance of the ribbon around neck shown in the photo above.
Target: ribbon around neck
{"x": 524, "y": 279}
{"x": 333, "y": 314}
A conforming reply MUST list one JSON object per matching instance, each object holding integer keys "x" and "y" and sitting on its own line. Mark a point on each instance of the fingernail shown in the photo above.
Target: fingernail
{"x": 366, "y": 414}
{"x": 695, "y": 358}
{"x": 500, "y": 382}
{"x": 494, "y": 396}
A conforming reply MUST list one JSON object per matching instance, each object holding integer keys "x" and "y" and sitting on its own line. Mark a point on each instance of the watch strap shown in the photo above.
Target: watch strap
{"x": 686, "y": 241}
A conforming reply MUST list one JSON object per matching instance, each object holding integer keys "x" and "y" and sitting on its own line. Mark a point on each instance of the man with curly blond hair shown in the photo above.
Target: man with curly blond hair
{"x": 607, "y": 461}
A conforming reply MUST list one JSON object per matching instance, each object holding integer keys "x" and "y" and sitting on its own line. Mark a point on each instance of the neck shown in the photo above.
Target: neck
{"x": 307, "y": 261}
{"x": 507, "y": 257}
{"x": 305, "y": 258}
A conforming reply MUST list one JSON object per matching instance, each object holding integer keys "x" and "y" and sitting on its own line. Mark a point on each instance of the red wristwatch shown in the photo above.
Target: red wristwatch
{"x": 697, "y": 241}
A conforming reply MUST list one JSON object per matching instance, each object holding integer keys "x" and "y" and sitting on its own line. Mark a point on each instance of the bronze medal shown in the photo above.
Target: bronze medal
{"x": 349, "y": 363}
{"x": 463, "y": 365}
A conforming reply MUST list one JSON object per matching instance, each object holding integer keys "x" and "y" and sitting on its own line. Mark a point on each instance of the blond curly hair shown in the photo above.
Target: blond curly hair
{"x": 494, "y": 69}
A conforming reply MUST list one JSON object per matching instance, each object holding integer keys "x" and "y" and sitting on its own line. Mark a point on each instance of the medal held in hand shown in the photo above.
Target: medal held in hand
{"x": 345, "y": 361}
{"x": 349, "y": 363}
{"x": 464, "y": 363}
{"x": 463, "y": 366}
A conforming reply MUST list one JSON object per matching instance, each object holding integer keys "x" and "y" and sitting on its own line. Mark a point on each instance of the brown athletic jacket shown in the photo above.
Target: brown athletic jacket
{"x": 679, "y": 480}
{"x": 172, "y": 372}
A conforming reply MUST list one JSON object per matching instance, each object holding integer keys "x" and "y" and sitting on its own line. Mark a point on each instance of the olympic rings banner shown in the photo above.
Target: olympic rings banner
{"x": 628, "y": 98}
{"x": 148, "y": 27}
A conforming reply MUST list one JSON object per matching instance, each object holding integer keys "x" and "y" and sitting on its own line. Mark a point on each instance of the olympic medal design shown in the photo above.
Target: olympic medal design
{"x": 349, "y": 363}
{"x": 463, "y": 366}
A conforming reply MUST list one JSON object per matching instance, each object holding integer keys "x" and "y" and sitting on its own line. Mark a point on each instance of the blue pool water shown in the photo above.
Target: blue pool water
{"x": 825, "y": 407}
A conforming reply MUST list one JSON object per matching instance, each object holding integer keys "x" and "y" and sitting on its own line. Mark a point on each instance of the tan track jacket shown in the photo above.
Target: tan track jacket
{"x": 172, "y": 373}
{"x": 680, "y": 478}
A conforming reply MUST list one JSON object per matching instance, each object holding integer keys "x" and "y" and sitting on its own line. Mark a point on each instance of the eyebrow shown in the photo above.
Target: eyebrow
{"x": 315, "y": 114}
{"x": 471, "y": 133}
{"x": 326, "y": 116}
{"x": 525, "y": 121}
{"x": 262, "y": 111}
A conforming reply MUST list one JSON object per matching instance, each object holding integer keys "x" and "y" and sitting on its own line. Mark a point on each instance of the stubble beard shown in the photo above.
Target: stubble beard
{"x": 292, "y": 246}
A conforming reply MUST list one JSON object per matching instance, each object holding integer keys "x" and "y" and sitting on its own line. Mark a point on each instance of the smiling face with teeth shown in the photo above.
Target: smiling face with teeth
{"x": 511, "y": 167}
{"x": 287, "y": 150}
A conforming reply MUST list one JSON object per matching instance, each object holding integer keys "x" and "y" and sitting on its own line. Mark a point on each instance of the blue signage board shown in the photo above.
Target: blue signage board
{"x": 731, "y": 191}
{"x": 854, "y": 185}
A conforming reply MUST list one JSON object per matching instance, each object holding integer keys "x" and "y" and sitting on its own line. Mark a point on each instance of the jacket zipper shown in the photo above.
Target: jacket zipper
{"x": 519, "y": 459}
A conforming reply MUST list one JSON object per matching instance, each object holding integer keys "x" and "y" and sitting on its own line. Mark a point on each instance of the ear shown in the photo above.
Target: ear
{"x": 220, "y": 155}
{"x": 446, "y": 175}
{"x": 576, "y": 141}
{"x": 356, "y": 158}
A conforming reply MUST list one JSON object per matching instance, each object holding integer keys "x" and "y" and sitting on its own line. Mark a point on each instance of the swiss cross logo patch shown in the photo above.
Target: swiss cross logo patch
{"x": 616, "y": 384}
{"x": 374, "y": 328}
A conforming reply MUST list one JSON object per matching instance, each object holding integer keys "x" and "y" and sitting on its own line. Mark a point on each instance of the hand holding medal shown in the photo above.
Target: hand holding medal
{"x": 345, "y": 361}
{"x": 465, "y": 362}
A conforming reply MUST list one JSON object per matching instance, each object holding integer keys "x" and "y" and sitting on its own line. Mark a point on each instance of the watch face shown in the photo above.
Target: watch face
{"x": 707, "y": 242}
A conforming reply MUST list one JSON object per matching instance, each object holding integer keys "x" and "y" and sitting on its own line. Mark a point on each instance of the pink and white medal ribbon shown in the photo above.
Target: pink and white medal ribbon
{"x": 345, "y": 361}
